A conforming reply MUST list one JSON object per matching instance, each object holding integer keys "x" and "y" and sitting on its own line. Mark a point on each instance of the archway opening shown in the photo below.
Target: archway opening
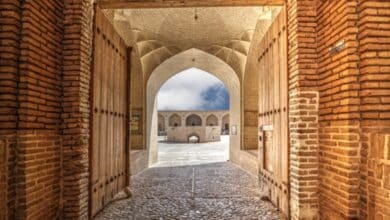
{"x": 193, "y": 138}
{"x": 214, "y": 66}
{"x": 193, "y": 102}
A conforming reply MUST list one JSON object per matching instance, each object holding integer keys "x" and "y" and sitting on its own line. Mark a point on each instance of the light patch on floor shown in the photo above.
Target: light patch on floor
{"x": 175, "y": 154}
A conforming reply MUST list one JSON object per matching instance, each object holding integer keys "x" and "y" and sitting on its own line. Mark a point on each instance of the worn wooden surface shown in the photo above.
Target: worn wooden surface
{"x": 273, "y": 122}
{"x": 110, "y": 105}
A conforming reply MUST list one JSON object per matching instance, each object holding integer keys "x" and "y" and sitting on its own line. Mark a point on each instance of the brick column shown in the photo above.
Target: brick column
{"x": 76, "y": 78}
{"x": 9, "y": 55}
{"x": 303, "y": 109}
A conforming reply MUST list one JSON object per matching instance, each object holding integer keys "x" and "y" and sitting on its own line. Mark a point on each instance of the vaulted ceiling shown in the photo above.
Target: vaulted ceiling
{"x": 160, "y": 33}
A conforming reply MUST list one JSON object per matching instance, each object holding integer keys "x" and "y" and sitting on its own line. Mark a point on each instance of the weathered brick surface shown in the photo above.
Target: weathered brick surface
{"x": 339, "y": 109}
{"x": 39, "y": 97}
{"x": 77, "y": 56}
{"x": 38, "y": 188}
{"x": 30, "y": 84}
{"x": 353, "y": 120}
{"x": 374, "y": 47}
{"x": 303, "y": 107}
{"x": 9, "y": 52}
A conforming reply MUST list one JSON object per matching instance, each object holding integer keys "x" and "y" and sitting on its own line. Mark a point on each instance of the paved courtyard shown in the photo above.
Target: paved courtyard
{"x": 174, "y": 154}
{"x": 192, "y": 181}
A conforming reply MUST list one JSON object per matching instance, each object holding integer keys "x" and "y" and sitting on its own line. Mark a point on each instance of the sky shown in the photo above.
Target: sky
{"x": 193, "y": 89}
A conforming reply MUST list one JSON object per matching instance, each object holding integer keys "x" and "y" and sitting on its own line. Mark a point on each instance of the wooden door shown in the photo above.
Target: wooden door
{"x": 110, "y": 118}
{"x": 273, "y": 113}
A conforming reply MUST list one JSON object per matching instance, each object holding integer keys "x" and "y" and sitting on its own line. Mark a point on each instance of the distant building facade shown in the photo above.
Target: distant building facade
{"x": 193, "y": 126}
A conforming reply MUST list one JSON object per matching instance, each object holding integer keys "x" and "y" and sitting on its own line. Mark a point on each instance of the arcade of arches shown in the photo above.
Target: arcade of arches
{"x": 309, "y": 85}
{"x": 206, "y": 125}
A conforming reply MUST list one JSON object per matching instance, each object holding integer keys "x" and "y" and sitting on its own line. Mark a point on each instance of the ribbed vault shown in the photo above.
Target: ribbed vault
{"x": 158, "y": 34}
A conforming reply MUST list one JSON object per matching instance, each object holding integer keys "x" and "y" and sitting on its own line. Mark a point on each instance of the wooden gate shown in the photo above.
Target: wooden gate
{"x": 110, "y": 114}
{"x": 273, "y": 113}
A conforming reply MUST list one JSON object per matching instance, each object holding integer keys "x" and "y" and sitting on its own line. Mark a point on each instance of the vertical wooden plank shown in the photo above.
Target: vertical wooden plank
{"x": 121, "y": 104}
{"x": 284, "y": 106}
{"x": 271, "y": 107}
{"x": 109, "y": 158}
{"x": 94, "y": 177}
{"x": 103, "y": 123}
{"x": 118, "y": 110}
{"x": 276, "y": 118}
{"x": 284, "y": 99}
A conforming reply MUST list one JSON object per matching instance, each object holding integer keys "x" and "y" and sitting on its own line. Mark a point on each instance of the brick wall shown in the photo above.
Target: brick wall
{"x": 9, "y": 53}
{"x": 77, "y": 56}
{"x": 39, "y": 96}
{"x": 45, "y": 59}
{"x": 30, "y": 106}
{"x": 303, "y": 105}
{"x": 339, "y": 109}
{"x": 374, "y": 47}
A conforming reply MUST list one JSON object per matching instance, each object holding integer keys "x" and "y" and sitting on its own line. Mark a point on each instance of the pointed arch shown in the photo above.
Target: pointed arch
{"x": 212, "y": 120}
{"x": 192, "y": 58}
{"x": 194, "y": 120}
{"x": 174, "y": 120}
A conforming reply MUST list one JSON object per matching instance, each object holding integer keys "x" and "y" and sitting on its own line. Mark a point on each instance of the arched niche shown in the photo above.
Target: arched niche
{"x": 212, "y": 120}
{"x": 174, "y": 120}
{"x": 193, "y": 120}
{"x": 192, "y": 58}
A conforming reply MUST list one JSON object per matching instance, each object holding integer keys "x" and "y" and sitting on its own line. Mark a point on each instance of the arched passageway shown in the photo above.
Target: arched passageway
{"x": 193, "y": 138}
{"x": 225, "y": 124}
{"x": 192, "y": 58}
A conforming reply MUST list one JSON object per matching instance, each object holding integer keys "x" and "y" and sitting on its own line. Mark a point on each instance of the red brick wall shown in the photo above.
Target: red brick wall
{"x": 77, "y": 56}
{"x": 303, "y": 108}
{"x": 9, "y": 52}
{"x": 374, "y": 42}
{"x": 39, "y": 97}
{"x": 31, "y": 34}
{"x": 338, "y": 110}
{"x": 353, "y": 86}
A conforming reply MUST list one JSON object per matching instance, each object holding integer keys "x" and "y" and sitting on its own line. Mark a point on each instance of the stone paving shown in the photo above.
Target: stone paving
{"x": 214, "y": 190}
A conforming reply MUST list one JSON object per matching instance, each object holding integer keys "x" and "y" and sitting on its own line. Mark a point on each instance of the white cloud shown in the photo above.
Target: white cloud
{"x": 183, "y": 91}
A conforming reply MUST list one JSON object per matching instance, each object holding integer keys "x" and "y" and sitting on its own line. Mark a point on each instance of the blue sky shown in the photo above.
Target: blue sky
{"x": 193, "y": 89}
